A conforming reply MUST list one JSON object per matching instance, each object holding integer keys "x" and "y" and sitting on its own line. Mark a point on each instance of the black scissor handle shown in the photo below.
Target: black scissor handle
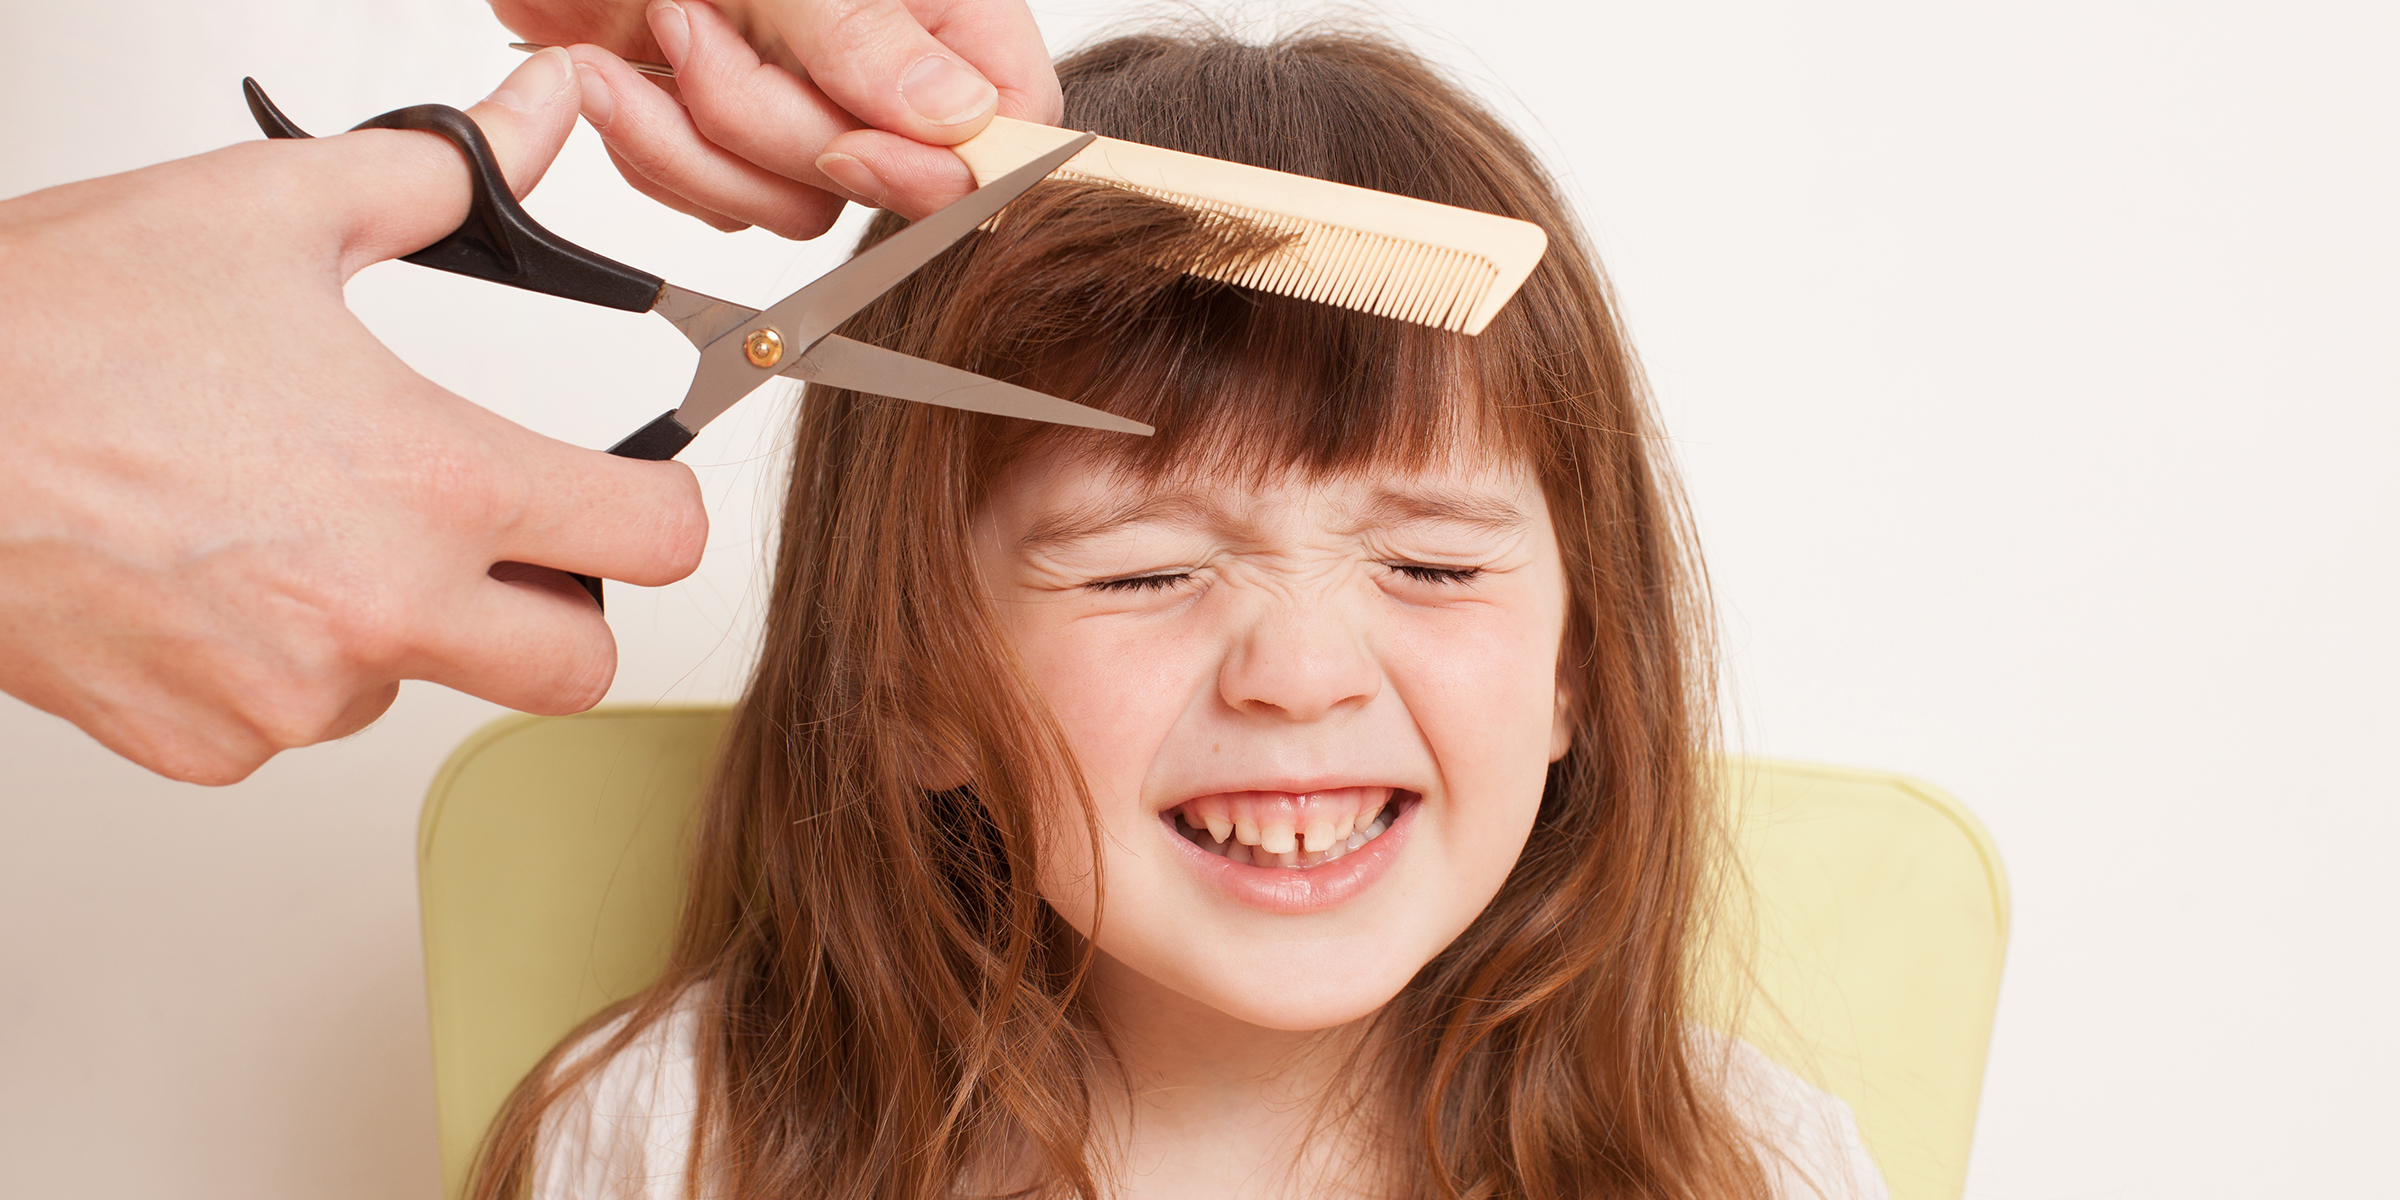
{"x": 500, "y": 241}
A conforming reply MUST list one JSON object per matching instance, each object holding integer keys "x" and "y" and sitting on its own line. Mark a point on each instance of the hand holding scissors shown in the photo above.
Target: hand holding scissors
{"x": 740, "y": 348}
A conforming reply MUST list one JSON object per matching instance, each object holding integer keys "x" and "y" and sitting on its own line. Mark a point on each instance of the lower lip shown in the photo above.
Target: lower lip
{"x": 1299, "y": 890}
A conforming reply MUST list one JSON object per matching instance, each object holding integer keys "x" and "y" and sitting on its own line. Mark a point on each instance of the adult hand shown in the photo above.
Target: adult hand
{"x": 230, "y": 519}
{"x": 780, "y": 110}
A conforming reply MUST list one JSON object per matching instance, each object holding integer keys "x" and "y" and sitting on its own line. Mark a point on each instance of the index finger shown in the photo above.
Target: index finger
{"x": 934, "y": 71}
{"x": 608, "y": 517}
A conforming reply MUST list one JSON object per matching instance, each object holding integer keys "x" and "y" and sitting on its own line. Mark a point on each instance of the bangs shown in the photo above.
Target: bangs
{"x": 1079, "y": 292}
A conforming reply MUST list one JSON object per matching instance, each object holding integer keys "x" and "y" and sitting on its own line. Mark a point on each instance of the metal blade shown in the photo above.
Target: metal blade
{"x": 726, "y": 373}
{"x": 840, "y": 362}
{"x": 703, "y": 319}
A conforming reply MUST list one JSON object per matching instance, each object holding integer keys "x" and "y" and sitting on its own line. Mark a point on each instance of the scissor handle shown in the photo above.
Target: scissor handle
{"x": 499, "y": 241}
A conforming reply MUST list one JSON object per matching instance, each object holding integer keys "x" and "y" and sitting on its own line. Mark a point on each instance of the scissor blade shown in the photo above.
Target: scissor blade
{"x": 800, "y": 319}
{"x": 703, "y": 319}
{"x": 813, "y": 311}
{"x": 841, "y": 362}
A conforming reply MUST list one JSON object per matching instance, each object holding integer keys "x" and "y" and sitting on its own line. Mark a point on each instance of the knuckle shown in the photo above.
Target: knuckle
{"x": 845, "y": 28}
{"x": 683, "y": 532}
{"x": 808, "y": 217}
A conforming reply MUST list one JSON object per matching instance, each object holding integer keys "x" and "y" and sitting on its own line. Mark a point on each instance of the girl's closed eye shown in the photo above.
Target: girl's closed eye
{"x": 1435, "y": 574}
{"x": 1155, "y": 582}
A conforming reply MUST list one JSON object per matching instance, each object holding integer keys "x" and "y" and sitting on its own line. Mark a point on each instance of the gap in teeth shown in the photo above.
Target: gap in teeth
{"x": 1269, "y": 829}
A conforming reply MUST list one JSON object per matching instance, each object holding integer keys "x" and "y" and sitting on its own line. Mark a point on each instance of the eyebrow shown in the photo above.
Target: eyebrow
{"x": 1092, "y": 520}
{"x": 1420, "y": 506}
{"x": 1390, "y": 507}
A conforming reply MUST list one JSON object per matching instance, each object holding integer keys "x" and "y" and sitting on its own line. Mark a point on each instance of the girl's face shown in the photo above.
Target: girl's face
{"x": 1315, "y": 715}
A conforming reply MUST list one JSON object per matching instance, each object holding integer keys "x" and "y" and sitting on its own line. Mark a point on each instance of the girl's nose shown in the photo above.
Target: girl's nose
{"x": 1300, "y": 662}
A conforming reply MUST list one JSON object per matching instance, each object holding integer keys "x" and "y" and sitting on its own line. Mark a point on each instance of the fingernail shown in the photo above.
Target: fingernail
{"x": 854, "y": 175}
{"x": 599, "y": 103}
{"x": 945, "y": 92}
{"x": 672, "y": 29}
{"x": 535, "y": 82}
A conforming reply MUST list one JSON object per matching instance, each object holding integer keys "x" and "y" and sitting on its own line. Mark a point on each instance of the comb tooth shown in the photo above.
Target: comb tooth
{"x": 1277, "y": 265}
{"x": 1482, "y": 282}
{"x": 1453, "y": 314}
{"x": 1281, "y": 265}
{"x": 1365, "y": 282}
{"x": 1323, "y": 248}
{"x": 1329, "y": 276}
{"x": 1469, "y": 291}
{"x": 1287, "y": 261}
{"x": 1441, "y": 273}
{"x": 1343, "y": 288}
{"x": 1409, "y": 281}
{"x": 1425, "y": 287}
{"x": 1316, "y": 245}
{"x": 1410, "y": 284}
{"x": 1433, "y": 302}
{"x": 1390, "y": 277}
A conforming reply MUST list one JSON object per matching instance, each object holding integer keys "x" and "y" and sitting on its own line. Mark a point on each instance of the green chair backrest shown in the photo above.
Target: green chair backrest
{"x": 550, "y": 853}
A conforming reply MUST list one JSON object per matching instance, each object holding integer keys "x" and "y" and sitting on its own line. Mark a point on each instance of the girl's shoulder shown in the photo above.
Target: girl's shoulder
{"x": 625, "y": 1132}
{"x": 1807, "y": 1139}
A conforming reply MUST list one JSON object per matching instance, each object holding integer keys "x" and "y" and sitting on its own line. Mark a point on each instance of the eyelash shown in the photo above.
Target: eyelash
{"x": 1420, "y": 573}
{"x": 1139, "y": 583}
{"x": 1415, "y": 572}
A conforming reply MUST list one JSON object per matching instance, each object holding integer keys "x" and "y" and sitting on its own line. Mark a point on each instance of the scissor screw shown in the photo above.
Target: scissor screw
{"x": 764, "y": 348}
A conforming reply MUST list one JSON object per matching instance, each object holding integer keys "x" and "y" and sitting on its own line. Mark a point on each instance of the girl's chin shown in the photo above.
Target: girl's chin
{"x": 1271, "y": 1003}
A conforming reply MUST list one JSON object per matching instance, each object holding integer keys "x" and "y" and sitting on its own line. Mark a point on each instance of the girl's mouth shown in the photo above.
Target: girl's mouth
{"x": 1281, "y": 829}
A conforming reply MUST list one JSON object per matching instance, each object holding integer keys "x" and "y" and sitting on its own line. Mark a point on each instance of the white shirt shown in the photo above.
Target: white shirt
{"x": 626, "y": 1134}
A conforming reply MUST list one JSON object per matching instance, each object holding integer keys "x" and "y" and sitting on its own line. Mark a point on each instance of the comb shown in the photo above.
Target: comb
{"x": 1394, "y": 256}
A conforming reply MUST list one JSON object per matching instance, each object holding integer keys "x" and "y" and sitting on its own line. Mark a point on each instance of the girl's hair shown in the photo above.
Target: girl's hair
{"x": 888, "y": 1008}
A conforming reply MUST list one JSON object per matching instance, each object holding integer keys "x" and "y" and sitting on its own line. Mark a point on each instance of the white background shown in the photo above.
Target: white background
{"x": 2034, "y": 371}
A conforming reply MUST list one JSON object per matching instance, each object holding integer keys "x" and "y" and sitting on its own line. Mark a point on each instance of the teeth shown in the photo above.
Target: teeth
{"x": 1275, "y": 837}
{"x": 1320, "y": 836}
{"x": 1250, "y": 838}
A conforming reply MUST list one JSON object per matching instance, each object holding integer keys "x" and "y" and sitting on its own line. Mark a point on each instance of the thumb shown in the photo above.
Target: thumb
{"x": 528, "y": 117}
{"x": 420, "y": 187}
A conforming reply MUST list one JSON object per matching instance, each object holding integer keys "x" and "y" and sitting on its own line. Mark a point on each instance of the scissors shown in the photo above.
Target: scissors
{"x": 740, "y": 348}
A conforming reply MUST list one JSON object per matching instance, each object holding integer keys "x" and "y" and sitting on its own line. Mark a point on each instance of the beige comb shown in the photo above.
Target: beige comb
{"x": 1395, "y": 256}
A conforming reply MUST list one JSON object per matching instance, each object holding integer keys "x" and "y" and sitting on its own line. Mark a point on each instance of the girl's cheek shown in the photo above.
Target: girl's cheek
{"x": 1114, "y": 692}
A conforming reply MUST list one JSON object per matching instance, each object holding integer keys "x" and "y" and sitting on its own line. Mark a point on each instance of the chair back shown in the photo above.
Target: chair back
{"x": 550, "y": 858}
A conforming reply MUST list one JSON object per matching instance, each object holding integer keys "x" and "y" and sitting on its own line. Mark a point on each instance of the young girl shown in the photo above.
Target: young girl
{"x": 1307, "y": 800}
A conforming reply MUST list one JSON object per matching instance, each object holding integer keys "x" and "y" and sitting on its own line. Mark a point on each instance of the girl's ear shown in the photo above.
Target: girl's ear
{"x": 1562, "y": 719}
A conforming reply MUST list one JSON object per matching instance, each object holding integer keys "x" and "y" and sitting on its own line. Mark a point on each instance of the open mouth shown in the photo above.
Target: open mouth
{"x": 1281, "y": 829}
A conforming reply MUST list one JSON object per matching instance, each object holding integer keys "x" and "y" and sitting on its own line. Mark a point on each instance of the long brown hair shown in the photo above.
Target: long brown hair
{"x": 888, "y": 1008}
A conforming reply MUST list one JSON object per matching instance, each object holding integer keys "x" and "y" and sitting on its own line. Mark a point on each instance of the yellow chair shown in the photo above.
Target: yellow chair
{"x": 550, "y": 851}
